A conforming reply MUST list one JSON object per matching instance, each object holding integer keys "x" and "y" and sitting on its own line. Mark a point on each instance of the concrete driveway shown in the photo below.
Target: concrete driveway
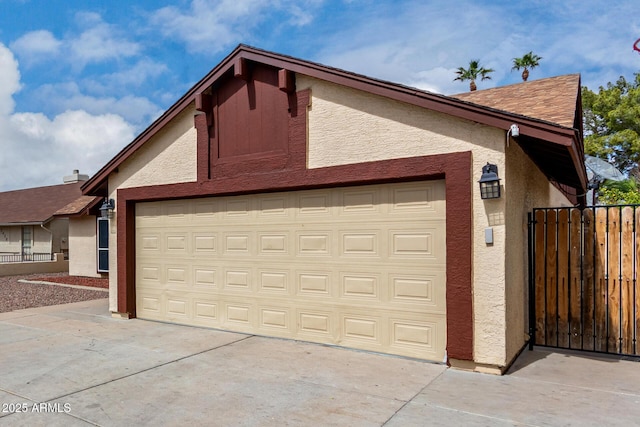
{"x": 74, "y": 365}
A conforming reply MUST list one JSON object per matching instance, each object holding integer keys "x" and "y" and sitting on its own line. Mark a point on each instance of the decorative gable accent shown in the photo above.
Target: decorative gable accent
{"x": 246, "y": 119}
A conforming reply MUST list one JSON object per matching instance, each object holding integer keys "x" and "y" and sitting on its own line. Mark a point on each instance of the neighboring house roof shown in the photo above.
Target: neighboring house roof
{"x": 36, "y": 205}
{"x": 553, "y": 99}
{"x": 557, "y": 148}
{"x": 78, "y": 207}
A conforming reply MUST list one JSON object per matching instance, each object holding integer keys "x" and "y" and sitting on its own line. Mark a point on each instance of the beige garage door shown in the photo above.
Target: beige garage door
{"x": 360, "y": 267}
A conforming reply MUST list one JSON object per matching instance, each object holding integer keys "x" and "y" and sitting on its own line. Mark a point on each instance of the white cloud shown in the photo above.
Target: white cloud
{"x": 68, "y": 96}
{"x": 94, "y": 41}
{"x": 136, "y": 75}
{"x": 9, "y": 80}
{"x": 98, "y": 42}
{"x": 36, "y": 45}
{"x": 210, "y": 26}
{"x": 37, "y": 150}
{"x": 437, "y": 80}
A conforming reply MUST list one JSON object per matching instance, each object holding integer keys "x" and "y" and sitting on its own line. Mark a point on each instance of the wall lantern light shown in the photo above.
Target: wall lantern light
{"x": 489, "y": 182}
{"x": 106, "y": 210}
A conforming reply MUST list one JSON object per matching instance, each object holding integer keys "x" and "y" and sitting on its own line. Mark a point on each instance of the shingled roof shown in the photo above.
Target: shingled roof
{"x": 554, "y": 99}
{"x": 79, "y": 206}
{"x": 36, "y": 205}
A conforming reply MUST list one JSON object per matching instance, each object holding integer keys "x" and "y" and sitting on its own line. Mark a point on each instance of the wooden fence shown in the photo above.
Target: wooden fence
{"x": 583, "y": 278}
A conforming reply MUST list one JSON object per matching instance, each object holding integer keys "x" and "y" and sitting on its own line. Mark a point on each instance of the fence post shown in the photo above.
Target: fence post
{"x": 532, "y": 298}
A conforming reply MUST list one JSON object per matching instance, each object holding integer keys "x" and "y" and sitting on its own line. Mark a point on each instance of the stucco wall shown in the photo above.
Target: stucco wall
{"x": 58, "y": 265}
{"x": 82, "y": 247}
{"x": 526, "y": 188}
{"x": 348, "y": 126}
{"x": 169, "y": 157}
{"x": 10, "y": 238}
{"x": 59, "y": 228}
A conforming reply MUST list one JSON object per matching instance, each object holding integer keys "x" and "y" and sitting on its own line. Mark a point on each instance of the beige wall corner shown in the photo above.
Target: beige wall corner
{"x": 526, "y": 187}
{"x": 117, "y": 315}
{"x": 466, "y": 365}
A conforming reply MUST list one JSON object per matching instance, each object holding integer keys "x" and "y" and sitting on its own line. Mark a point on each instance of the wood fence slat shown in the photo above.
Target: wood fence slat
{"x": 588, "y": 311}
{"x": 539, "y": 242}
{"x": 575, "y": 274}
{"x": 587, "y": 287}
{"x": 627, "y": 298}
{"x": 551, "y": 322}
{"x": 613, "y": 281}
{"x": 600, "y": 290}
{"x": 563, "y": 278}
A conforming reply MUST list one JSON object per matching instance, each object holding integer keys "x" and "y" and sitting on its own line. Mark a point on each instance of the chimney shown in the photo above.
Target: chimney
{"x": 75, "y": 177}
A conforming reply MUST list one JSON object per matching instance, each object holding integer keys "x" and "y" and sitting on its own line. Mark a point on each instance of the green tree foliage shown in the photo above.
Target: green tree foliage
{"x": 619, "y": 193}
{"x": 472, "y": 73}
{"x": 612, "y": 123}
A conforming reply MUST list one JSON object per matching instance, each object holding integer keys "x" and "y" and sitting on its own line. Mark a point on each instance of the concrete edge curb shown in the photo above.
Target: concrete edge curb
{"x": 41, "y": 282}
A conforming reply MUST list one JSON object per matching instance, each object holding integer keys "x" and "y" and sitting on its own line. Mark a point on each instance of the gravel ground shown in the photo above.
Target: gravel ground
{"x": 15, "y": 295}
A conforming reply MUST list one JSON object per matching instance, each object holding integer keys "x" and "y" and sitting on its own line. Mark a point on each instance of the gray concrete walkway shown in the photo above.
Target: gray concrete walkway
{"x": 74, "y": 365}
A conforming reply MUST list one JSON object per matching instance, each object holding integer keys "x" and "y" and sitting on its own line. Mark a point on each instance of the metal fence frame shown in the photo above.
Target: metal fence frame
{"x": 18, "y": 257}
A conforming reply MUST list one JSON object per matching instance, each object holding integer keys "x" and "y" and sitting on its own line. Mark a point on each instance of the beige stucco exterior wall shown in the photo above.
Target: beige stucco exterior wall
{"x": 82, "y": 247}
{"x": 347, "y": 126}
{"x": 170, "y": 156}
{"x": 10, "y": 238}
{"x": 526, "y": 188}
{"x": 59, "y": 228}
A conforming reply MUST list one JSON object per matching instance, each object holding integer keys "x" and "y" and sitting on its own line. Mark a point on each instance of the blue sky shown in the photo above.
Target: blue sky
{"x": 80, "y": 79}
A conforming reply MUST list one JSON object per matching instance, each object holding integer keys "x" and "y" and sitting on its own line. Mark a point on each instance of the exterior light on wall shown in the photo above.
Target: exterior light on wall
{"x": 489, "y": 182}
{"x": 106, "y": 210}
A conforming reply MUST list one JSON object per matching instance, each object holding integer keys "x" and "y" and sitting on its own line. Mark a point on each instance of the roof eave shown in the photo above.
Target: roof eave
{"x": 97, "y": 185}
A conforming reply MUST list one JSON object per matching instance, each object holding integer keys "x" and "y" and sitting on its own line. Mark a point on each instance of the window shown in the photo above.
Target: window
{"x": 103, "y": 245}
{"x": 27, "y": 242}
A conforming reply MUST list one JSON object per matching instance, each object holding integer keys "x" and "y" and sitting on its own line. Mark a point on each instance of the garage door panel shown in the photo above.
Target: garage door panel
{"x": 317, "y": 325}
{"x": 315, "y": 284}
{"x": 276, "y": 319}
{"x": 238, "y": 280}
{"x": 276, "y": 243}
{"x": 417, "y": 197}
{"x": 361, "y": 267}
{"x": 205, "y": 243}
{"x": 418, "y": 290}
{"x": 276, "y": 282}
{"x": 417, "y": 337}
{"x": 360, "y": 286}
{"x": 205, "y": 277}
{"x": 206, "y": 312}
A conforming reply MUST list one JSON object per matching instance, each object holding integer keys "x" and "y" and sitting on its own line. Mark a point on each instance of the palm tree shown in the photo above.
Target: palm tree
{"x": 528, "y": 61}
{"x": 472, "y": 73}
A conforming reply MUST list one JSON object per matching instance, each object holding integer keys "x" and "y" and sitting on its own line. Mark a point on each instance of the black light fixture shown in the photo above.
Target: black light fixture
{"x": 489, "y": 182}
{"x": 106, "y": 210}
